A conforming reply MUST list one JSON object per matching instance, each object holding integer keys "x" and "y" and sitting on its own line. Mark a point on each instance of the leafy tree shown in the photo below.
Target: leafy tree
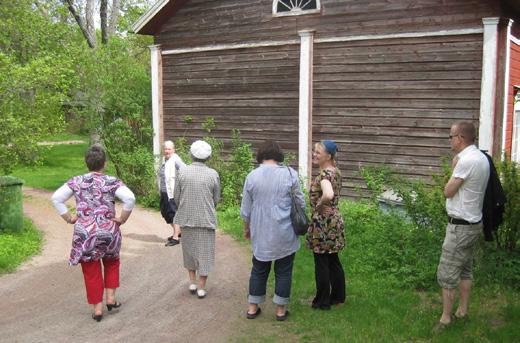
{"x": 36, "y": 76}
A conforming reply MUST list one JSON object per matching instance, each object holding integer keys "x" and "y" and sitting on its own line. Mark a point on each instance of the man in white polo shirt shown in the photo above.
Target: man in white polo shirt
{"x": 464, "y": 194}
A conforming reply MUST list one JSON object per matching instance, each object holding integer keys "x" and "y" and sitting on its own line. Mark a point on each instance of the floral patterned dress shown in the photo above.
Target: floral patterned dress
{"x": 96, "y": 235}
{"x": 326, "y": 234}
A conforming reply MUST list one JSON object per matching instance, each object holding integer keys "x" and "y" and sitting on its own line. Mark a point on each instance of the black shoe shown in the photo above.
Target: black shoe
{"x": 254, "y": 315}
{"x": 97, "y": 317}
{"x": 172, "y": 242}
{"x": 320, "y": 306}
{"x": 284, "y": 317}
{"x": 115, "y": 305}
{"x": 171, "y": 237}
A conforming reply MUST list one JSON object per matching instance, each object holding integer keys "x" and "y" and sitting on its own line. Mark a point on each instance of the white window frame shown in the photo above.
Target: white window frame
{"x": 515, "y": 137}
{"x": 296, "y": 12}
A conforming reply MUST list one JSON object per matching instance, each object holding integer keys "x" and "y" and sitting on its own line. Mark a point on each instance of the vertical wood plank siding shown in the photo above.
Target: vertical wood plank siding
{"x": 514, "y": 80}
{"x": 254, "y": 90}
{"x": 392, "y": 102}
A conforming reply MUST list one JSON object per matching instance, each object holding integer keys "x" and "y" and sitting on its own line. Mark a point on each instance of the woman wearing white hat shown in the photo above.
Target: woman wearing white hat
{"x": 197, "y": 192}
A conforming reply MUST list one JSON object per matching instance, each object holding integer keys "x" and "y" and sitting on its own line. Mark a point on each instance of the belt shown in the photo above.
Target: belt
{"x": 456, "y": 221}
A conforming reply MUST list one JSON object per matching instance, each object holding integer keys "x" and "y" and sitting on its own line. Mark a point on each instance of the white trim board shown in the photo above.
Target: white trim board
{"x": 515, "y": 40}
{"x": 506, "y": 86}
{"x": 305, "y": 105}
{"x": 155, "y": 64}
{"x": 145, "y": 18}
{"x": 401, "y": 35}
{"x": 487, "y": 88}
{"x": 260, "y": 44}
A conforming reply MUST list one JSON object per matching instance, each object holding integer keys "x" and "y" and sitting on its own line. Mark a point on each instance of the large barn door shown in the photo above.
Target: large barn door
{"x": 392, "y": 101}
{"x": 254, "y": 90}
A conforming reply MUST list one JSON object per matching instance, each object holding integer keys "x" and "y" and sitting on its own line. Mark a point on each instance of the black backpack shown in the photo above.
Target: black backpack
{"x": 494, "y": 202}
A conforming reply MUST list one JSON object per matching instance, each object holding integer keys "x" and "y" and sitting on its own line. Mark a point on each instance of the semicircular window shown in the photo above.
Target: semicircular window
{"x": 295, "y": 7}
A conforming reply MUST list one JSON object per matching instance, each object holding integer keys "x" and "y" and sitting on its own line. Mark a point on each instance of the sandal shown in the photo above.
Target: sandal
{"x": 114, "y": 305}
{"x": 254, "y": 315}
{"x": 284, "y": 317}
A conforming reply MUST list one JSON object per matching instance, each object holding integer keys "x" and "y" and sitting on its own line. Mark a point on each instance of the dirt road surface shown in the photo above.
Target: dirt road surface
{"x": 44, "y": 301}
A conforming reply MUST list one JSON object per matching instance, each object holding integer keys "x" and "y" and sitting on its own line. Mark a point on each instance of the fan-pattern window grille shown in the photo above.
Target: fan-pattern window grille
{"x": 295, "y": 7}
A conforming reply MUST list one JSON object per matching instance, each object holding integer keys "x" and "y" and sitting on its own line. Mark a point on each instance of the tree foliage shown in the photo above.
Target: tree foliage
{"x": 48, "y": 71}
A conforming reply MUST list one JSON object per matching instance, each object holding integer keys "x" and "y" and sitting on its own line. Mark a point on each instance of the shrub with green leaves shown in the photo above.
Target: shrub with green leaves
{"x": 133, "y": 161}
{"x": 232, "y": 169}
{"x": 390, "y": 245}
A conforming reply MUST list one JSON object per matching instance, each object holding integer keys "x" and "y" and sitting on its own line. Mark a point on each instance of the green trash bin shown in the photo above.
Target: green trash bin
{"x": 11, "y": 205}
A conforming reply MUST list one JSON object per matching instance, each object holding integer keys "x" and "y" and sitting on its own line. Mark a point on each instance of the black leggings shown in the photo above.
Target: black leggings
{"x": 330, "y": 281}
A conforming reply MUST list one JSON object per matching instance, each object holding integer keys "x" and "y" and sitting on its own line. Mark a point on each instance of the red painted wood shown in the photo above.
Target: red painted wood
{"x": 514, "y": 80}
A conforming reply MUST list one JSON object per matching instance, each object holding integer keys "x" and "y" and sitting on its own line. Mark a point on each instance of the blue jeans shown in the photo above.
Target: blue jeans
{"x": 283, "y": 279}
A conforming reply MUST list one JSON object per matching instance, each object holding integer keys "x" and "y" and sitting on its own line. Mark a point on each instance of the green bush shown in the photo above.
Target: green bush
{"x": 390, "y": 245}
{"x": 497, "y": 263}
{"x": 232, "y": 170}
{"x": 132, "y": 159}
{"x": 508, "y": 235}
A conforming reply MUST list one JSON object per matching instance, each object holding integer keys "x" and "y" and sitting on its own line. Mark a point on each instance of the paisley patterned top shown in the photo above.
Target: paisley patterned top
{"x": 326, "y": 233}
{"x": 95, "y": 234}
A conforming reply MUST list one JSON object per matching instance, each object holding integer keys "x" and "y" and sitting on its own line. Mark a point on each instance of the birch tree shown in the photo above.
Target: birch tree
{"x": 85, "y": 11}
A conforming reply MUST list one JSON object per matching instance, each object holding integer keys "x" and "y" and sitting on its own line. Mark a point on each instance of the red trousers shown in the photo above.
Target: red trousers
{"x": 94, "y": 278}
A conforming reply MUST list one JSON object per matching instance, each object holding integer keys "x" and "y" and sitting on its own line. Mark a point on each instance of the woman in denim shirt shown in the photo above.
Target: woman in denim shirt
{"x": 266, "y": 209}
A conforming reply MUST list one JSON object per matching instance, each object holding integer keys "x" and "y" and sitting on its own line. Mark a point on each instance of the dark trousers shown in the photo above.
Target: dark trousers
{"x": 283, "y": 279}
{"x": 330, "y": 280}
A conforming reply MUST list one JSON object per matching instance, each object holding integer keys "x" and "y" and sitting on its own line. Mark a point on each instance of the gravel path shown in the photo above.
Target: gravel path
{"x": 44, "y": 301}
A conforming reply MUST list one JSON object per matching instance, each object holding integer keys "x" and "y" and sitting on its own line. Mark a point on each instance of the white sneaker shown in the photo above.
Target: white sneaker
{"x": 201, "y": 293}
{"x": 193, "y": 288}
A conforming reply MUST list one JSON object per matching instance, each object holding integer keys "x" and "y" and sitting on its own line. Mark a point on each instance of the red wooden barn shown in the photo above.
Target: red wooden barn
{"x": 384, "y": 78}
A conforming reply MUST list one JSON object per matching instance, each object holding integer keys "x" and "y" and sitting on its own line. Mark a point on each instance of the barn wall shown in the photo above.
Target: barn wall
{"x": 386, "y": 101}
{"x": 254, "y": 90}
{"x": 203, "y": 22}
{"x": 393, "y": 101}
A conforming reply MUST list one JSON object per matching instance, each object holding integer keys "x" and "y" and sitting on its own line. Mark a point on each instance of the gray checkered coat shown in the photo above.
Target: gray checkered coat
{"x": 197, "y": 192}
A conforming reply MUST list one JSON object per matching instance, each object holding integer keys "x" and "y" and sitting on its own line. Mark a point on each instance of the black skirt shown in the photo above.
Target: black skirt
{"x": 168, "y": 208}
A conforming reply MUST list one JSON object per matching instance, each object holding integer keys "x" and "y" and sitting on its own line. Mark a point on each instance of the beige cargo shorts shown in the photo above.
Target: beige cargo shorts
{"x": 458, "y": 250}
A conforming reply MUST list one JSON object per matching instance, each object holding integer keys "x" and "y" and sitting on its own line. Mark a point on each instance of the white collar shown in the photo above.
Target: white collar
{"x": 467, "y": 150}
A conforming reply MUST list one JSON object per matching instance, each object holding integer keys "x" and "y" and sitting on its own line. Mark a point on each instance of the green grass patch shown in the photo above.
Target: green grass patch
{"x": 65, "y": 136}
{"x": 379, "y": 307}
{"x": 59, "y": 163}
{"x": 18, "y": 247}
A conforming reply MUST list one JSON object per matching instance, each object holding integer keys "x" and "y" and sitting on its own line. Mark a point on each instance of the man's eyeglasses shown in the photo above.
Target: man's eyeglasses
{"x": 451, "y": 136}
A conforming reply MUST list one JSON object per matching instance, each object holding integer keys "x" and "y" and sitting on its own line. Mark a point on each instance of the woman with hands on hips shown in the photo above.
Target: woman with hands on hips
{"x": 96, "y": 240}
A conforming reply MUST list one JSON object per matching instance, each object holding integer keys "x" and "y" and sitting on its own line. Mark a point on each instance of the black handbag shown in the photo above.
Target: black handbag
{"x": 299, "y": 219}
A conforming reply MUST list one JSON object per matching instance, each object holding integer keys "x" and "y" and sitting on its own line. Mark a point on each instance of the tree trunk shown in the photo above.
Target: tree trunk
{"x": 103, "y": 9}
{"x": 86, "y": 26}
{"x": 114, "y": 16}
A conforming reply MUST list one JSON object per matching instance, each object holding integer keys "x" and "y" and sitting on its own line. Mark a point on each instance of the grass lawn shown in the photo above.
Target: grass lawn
{"x": 376, "y": 311}
{"x": 59, "y": 164}
{"x": 17, "y": 247}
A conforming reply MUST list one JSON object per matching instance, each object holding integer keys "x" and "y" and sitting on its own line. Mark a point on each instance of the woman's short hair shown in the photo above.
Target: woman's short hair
{"x": 95, "y": 158}
{"x": 269, "y": 150}
{"x": 169, "y": 144}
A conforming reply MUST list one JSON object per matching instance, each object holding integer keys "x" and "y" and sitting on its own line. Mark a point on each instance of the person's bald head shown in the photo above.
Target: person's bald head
{"x": 462, "y": 134}
{"x": 467, "y": 131}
